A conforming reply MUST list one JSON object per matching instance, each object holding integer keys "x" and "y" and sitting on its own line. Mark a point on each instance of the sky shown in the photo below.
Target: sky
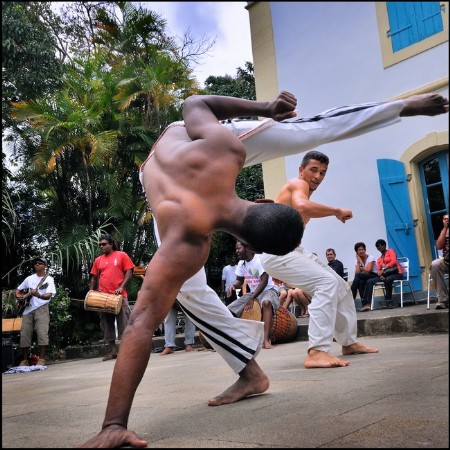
{"x": 226, "y": 22}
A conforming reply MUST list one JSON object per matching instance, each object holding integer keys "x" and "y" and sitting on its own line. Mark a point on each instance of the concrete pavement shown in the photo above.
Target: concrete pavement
{"x": 397, "y": 398}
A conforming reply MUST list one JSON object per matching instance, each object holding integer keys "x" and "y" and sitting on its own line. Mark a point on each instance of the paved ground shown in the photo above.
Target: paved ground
{"x": 397, "y": 398}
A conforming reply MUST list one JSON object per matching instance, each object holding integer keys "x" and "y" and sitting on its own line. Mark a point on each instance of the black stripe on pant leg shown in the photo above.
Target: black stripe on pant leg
{"x": 338, "y": 113}
{"x": 233, "y": 352}
{"x": 219, "y": 332}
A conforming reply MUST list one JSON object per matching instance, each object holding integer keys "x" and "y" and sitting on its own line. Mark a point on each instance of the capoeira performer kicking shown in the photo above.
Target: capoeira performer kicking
{"x": 189, "y": 180}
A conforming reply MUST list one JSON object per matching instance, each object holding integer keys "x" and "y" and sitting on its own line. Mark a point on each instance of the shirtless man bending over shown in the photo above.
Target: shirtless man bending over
{"x": 189, "y": 180}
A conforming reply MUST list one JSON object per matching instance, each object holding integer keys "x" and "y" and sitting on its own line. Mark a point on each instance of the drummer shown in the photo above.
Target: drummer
{"x": 110, "y": 274}
{"x": 261, "y": 287}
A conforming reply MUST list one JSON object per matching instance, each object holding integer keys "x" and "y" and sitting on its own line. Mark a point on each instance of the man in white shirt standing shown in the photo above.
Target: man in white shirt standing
{"x": 228, "y": 278}
{"x": 37, "y": 289}
{"x": 261, "y": 287}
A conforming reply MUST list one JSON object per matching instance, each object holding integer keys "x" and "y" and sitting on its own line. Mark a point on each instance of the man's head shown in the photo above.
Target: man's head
{"x": 243, "y": 251}
{"x": 107, "y": 244}
{"x": 272, "y": 228}
{"x": 40, "y": 264}
{"x": 313, "y": 168}
{"x": 330, "y": 254}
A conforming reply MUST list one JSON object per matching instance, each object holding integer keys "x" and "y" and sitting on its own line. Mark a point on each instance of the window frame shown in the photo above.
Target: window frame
{"x": 388, "y": 55}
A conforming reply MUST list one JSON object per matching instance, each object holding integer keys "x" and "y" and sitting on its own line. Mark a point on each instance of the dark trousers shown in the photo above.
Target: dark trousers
{"x": 359, "y": 283}
{"x": 387, "y": 285}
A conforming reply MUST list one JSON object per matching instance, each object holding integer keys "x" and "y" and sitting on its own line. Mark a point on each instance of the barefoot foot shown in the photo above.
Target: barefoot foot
{"x": 267, "y": 344}
{"x": 252, "y": 381}
{"x": 317, "y": 359}
{"x": 357, "y": 348}
{"x": 166, "y": 351}
{"x": 188, "y": 348}
{"x": 425, "y": 105}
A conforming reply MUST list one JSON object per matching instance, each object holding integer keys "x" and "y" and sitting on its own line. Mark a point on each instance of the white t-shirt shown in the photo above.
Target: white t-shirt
{"x": 31, "y": 282}
{"x": 229, "y": 275}
{"x": 369, "y": 259}
{"x": 252, "y": 271}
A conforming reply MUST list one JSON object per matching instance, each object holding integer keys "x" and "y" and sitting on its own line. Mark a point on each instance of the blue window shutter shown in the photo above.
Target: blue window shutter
{"x": 429, "y": 18}
{"x": 398, "y": 215}
{"x": 411, "y": 22}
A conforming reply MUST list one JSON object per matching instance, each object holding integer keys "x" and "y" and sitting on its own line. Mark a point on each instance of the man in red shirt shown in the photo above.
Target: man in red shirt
{"x": 110, "y": 274}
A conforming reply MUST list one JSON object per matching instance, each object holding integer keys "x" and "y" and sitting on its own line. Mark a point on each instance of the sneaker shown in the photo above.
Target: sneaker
{"x": 440, "y": 306}
{"x": 40, "y": 362}
{"x": 24, "y": 362}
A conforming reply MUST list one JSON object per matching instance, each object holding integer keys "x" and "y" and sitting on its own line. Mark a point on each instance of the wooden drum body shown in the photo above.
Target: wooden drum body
{"x": 102, "y": 302}
{"x": 284, "y": 323}
{"x": 284, "y": 326}
{"x": 252, "y": 314}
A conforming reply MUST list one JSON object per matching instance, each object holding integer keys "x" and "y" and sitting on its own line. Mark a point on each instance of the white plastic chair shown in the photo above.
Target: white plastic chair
{"x": 404, "y": 264}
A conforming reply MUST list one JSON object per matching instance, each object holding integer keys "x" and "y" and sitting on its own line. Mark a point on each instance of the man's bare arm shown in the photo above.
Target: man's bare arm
{"x": 201, "y": 110}
{"x": 312, "y": 210}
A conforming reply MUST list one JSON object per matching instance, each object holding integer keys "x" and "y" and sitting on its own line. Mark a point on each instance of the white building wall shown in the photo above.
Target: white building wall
{"x": 328, "y": 54}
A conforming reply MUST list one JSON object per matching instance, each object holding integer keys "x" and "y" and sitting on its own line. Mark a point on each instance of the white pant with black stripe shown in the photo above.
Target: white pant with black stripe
{"x": 332, "y": 310}
{"x": 238, "y": 340}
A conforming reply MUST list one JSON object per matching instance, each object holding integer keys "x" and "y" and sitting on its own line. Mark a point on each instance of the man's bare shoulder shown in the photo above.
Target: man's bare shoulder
{"x": 295, "y": 183}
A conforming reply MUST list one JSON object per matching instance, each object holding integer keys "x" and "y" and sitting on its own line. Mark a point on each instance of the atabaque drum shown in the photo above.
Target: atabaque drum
{"x": 102, "y": 302}
{"x": 254, "y": 313}
{"x": 284, "y": 326}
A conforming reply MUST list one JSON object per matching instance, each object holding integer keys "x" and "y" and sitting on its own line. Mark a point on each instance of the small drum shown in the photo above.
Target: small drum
{"x": 102, "y": 302}
{"x": 284, "y": 326}
{"x": 139, "y": 271}
{"x": 252, "y": 314}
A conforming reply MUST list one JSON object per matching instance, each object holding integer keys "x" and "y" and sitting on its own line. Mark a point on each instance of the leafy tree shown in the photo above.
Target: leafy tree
{"x": 29, "y": 65}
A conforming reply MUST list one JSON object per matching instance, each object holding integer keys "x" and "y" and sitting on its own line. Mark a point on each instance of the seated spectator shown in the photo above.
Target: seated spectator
{"x": 388, "y": 271}
{"x": 365, "y": 268}
{"x": 334, "y": 263}
{"x": 439, "y": 267}
{"x": 300, "y": 297}
{"x": 261, "y": 288}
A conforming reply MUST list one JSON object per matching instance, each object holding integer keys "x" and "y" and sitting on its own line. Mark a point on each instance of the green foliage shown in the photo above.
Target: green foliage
{"x": 29, "y": 64}
{"x": 9, "y": 304}
{"x": 84, "y": 122}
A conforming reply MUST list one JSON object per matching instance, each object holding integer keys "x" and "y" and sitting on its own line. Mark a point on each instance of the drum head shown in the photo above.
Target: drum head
{"x": 254, "y": 313}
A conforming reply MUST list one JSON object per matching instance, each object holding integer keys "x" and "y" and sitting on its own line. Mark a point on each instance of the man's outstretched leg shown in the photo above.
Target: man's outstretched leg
{"x": 252, "y": 380}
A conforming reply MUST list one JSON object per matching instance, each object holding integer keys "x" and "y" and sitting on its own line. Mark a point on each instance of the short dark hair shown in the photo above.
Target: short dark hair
{"x": 380, "y": 242}
{"x": 319, "y": 156}
{"x": 360, "y": 244}
{"x": 330, "y": 250}
{"x": 272, "y": 228}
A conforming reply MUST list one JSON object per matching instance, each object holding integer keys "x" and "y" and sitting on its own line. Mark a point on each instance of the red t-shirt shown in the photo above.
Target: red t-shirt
{"x": 111, "y": 271}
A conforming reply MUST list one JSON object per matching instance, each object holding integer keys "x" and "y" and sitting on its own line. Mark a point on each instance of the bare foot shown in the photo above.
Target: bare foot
{"x": 188, "y": 348}
{"x": 166, "y": 351}
{"x": 267, "y": 344}
{"x": 425, "y": 105}
{"x": 252, "y": 380}
{"x": 317, "y": 359}
{"x": 356, "y": 348}
{"x": 114, "y": 436}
